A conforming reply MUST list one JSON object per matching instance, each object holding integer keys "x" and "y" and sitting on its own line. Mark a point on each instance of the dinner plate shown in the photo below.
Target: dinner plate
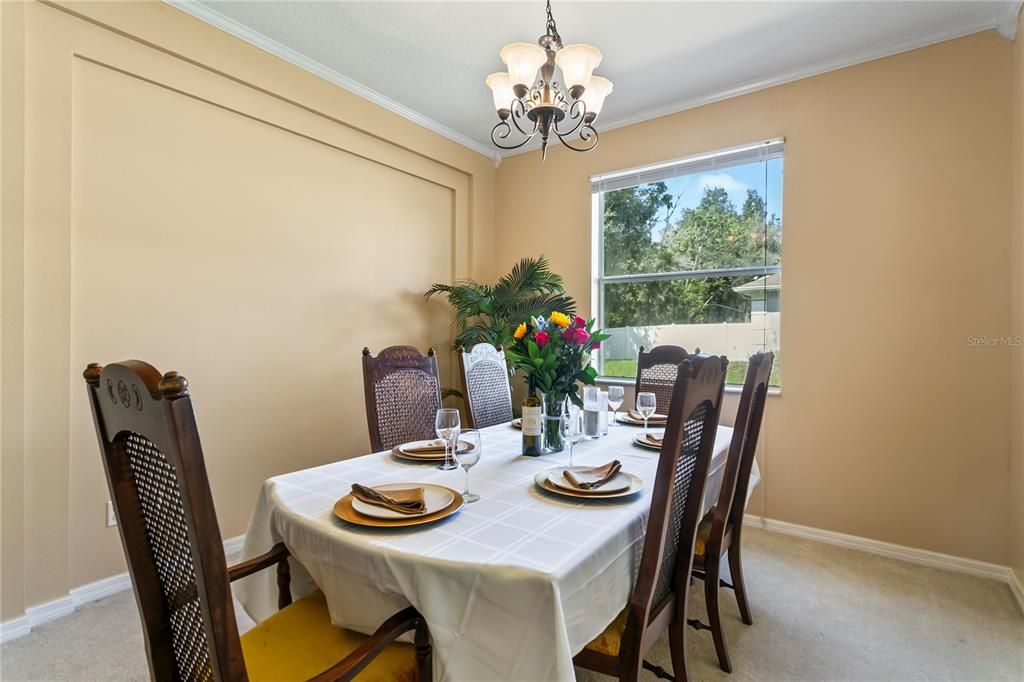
{"x": 541, "y": 479}
{"x": 344, "y": 511}
{"x": 655, "y": 420}
{"x": 517, "y": 423}
{"x": 620, "y": 482}
{"x": 436, "y": 497}
{"x": 401, "y": 450}
{"x": 644, "y": 443}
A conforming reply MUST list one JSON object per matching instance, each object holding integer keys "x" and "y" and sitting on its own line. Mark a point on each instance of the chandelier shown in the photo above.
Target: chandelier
{"x": 527, "y": 106}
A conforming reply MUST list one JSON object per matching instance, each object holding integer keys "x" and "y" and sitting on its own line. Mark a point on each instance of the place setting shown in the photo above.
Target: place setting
{"x": 606, "y": 481}
{"x": 397, "y": 505}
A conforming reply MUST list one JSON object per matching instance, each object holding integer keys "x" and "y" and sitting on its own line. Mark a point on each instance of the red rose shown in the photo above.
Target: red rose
{"x": 579, "y": 322}
{"x": 542, "y": 338}
{"x": 581, "y": 336}
{"x": 567, "y": 335}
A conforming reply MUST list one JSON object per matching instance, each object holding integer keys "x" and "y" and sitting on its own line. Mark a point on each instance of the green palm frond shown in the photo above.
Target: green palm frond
{"x": 540, "y": 304}
{"x": 485, "y": 313}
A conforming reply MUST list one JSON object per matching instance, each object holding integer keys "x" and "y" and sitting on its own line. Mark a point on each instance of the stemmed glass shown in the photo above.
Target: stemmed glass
{"x": 571, "y": 426}
{"x": 615, "y": 397}
{"x": 469, "y": 456}
{"x": 645, "y": 405}
{"x": 447, "y": 427}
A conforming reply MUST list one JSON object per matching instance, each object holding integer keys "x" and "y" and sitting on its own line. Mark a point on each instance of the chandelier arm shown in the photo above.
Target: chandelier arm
{"x": 587, "y": 134}
{"x": 498, "y": 134}
{"x": 518, "y": 112}
{"x": 577, "y": 112}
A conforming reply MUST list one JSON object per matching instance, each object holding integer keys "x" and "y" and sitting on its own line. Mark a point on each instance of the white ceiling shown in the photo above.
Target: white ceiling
{"x": 428, "y": 60}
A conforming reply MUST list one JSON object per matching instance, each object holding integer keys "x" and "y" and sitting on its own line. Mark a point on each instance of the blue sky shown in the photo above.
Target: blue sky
{"x": 736, "y": 181}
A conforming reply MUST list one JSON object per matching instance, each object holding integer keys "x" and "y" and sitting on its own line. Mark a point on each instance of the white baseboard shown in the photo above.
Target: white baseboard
{"x": 1017, "y": 589}
{"x": 100, "y": 589}
{"x": 79, "y": 596}
{"x": 922, "y": 557}
{"x": 14, "y": 628}
{"x": 51, "y": 610}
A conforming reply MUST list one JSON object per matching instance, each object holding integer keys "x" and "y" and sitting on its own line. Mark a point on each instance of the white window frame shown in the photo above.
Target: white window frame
{"x": 642, "y": 175}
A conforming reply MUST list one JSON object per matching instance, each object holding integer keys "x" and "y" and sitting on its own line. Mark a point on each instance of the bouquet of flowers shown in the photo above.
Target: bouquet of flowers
{"x": 554, "y": 354}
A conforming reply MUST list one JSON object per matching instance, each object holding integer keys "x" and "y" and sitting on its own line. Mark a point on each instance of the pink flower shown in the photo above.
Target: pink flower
{"x": 597, "y": 344}
{"x": 542, "y": 338}
{"x": 581, "y": 336}
{"x": 579, "y": 322}
{"x": 568, "y": 334}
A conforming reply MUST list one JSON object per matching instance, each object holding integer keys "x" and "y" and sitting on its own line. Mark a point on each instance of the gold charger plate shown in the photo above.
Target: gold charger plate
{"x": 541, "y": 479}
{"x": 344, "y": 511}
{"x": 431, "y": 457}
{"x": 642, "y": 442}
{"x": 626, "y": 419}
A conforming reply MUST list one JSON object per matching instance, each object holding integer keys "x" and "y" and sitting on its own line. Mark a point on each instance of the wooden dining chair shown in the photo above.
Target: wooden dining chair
{"x": 161, "y": 495}
{"x": 719, "y": 531}
{"x": 659, "y": 598}
{"x": 656, "y": 372}
{"x": 485, "y": 385}
{"x": 403, "y": 395}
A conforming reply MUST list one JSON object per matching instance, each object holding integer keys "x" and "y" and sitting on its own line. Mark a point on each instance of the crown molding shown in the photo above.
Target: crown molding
{"x": 793, "y": 75}
{"x": 1006, "y": 18}
{"x": 229, "y": 25}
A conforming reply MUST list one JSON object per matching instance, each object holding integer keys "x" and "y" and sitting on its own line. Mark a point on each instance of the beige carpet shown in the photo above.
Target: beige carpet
{"x": 820, "y": 613}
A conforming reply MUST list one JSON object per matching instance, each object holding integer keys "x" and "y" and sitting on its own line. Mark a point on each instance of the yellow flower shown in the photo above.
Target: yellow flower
{"x": 520, "y": 331}
{"x": 560, "y": 319}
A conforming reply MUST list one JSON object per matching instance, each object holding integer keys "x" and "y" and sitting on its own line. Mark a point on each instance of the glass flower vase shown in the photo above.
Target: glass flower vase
{"x": 553, "y": 407}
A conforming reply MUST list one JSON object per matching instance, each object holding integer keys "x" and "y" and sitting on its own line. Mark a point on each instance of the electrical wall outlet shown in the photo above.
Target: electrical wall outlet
{"x": 111, "y": 519}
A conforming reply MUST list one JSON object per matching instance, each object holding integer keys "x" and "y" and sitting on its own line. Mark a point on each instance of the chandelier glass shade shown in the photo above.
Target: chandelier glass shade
{"x": 531, "y": 104}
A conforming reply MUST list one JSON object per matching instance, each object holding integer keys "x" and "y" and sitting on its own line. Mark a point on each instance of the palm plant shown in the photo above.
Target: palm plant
{"x": 490, "y": 313}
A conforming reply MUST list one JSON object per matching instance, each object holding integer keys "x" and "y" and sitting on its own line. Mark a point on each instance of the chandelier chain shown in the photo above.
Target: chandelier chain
{"x": 552, "y": 30}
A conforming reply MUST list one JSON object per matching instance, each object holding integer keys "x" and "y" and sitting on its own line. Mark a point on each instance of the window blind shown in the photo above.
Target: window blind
{"x": 737, "y": 156}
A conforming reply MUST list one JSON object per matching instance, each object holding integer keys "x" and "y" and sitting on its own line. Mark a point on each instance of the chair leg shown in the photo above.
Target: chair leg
{"x": 739, "y": 587}
{"x": 677, "y": 646}
{"x": 711, "y": 590}
{"x": 424, "y": 658}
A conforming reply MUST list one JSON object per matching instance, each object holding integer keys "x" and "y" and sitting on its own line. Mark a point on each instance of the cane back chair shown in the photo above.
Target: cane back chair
{"x": 659, "y": 598}
{"x": 165, "y": 515}
{"x": 720, "y": 530}
{"x": 485, "y": 385}
{"x": 403, "y": 395}
{"x": 656, "y": 372}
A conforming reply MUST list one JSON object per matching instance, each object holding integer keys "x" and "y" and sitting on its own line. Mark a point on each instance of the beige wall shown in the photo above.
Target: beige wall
{"x": 896, "y": 205}
{"x": 195, "y": 202}
{"x": 169, "y": 192}
{"x": 1017, "y": 310}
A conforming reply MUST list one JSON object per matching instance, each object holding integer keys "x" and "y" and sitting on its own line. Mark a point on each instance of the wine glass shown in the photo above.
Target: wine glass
{"x": 616, "y": 394}
{"x": 467, "y": 457}
{"x": 645, "y": 405}
{"x": 447, "y": 427}
{"x": 571, "y": 426}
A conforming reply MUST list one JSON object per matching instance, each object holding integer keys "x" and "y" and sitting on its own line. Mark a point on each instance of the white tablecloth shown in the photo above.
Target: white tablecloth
{"x": 511, "y": 586}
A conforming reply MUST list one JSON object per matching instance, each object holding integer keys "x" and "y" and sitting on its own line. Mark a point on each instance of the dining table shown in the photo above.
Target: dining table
{"x": 511, "y": 586}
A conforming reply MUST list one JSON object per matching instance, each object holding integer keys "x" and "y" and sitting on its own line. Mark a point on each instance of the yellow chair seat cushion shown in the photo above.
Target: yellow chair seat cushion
{"x": 610, "y": 641}
{"x": 299, "y": 642}
{"x": 703, "y": 533}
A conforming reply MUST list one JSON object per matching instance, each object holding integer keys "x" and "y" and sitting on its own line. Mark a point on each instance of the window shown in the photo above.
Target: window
{"x": 689, "y": 253}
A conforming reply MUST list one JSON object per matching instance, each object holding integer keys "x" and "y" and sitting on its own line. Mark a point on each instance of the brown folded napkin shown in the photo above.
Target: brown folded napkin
{"x": 406, "y": 501}
{"x": 606, "y": 472}
{"x": 433, "y": 448}
{"x": 654, "y": 439}
{"x": 633, "y": 414}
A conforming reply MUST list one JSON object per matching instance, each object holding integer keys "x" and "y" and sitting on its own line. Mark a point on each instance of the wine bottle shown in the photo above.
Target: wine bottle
{"x": 533, "y": 417}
